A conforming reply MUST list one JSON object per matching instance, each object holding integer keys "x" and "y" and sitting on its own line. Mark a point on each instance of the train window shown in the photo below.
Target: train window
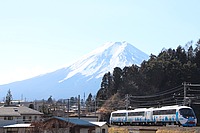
{"x": 156, "y": 112}
{"x": 164, "y": 112}
{"x": 136, "y": 114}
{"x": 131, "y": 114}
{"x": 118, "y": 114}
{"x": 172, "y": 111}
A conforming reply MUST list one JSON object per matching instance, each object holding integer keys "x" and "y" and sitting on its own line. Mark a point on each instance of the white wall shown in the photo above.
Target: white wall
{"x": 99, "y": 129}
{"x": 84, "y": 130}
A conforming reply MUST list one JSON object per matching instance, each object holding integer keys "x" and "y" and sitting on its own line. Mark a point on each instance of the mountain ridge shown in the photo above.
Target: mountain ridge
{"x": 84, "y": 75}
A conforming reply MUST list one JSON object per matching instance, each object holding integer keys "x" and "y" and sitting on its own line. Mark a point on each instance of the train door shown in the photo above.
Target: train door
{"x": 149, "y": 116}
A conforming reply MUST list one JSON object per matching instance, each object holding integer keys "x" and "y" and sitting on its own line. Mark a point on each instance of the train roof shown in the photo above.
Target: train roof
{"x": 119, "y": 111}
{"x": 171, "y": 107}
{"x": 138, "y": 110}
{"x": 150, "y": 109}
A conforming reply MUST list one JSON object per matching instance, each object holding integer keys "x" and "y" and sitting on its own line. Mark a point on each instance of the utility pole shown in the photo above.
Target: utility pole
{"x": 95, "y": 104}
{"x": 188, "y": 100}
{"x": 79, "y": 108}
{"x": 68, "y": 106}
{"x": 127, "y": 101}
{"x": 184, "y": 87}
{"x": 84, "y": 100}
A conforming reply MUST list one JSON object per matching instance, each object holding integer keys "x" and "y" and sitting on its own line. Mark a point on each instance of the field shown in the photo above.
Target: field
{"x": 153, "y": 129}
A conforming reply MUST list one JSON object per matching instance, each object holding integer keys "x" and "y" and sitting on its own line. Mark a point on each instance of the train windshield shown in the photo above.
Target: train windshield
{"x": 185, "y": 112}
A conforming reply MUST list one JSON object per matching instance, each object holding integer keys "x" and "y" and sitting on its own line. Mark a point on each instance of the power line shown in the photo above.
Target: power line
{"x": 181, "y": 95}
{"x": 168, "y": 97}
{"x": 158, "y": 95}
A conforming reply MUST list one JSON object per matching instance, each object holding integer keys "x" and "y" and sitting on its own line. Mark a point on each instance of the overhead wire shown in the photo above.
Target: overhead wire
{"x": 157, "y": 95}
{"x": 168, "y": 97}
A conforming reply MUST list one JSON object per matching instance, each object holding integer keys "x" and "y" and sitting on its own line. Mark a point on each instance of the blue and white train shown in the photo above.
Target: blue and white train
{"x": 167, "y": 115}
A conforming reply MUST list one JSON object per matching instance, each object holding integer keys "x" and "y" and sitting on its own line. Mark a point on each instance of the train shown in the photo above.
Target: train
{"x": 166, "y": 115}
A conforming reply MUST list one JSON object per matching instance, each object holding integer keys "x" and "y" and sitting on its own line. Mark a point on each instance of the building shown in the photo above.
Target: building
{"x": 18, "y": 128}
{"x": 19, "y": 114}
{"x": 101, "y": 127}
{"x": 73, "y": 125}
{"x": 87, "y": 118}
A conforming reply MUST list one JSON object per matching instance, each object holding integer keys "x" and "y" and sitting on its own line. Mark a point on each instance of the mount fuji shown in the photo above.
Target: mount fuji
{"x": 82, "y": 77}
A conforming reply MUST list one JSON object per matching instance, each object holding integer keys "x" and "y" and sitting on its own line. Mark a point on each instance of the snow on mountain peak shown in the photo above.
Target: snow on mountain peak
{"x": 108, "y": 45}
{"x": 106, "y": 58}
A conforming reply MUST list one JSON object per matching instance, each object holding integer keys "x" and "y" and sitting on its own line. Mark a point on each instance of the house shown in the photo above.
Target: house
{"x": 87, "y": 118}
{"x": 29, "y": 115}
{"x": 19, "y": 114}
{"x": 68, "y": 125}
{"x": 102, "y": 127}
{"x": 5, "y": 123}
{"x": 73, "y": 125}
{"x": 18, "y": 128}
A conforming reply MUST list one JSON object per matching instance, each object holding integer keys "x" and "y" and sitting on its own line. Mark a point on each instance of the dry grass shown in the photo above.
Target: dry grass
{"x": 125, "y": 129}
{"x": 178, "y": 131}
{"x": 117, "y": 130}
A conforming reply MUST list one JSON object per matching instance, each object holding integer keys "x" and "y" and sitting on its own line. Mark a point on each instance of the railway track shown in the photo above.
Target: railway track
{"x": 154, "y": 129}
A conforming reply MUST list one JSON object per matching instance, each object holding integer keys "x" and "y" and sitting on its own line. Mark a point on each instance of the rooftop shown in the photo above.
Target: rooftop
{"x": 17, "y": 111}
{"x": 76, "y": 121}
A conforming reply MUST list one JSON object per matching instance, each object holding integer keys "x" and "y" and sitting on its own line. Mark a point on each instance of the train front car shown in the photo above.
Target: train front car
{"x": 186, "y": 116}
{"x": 118, "y": 117}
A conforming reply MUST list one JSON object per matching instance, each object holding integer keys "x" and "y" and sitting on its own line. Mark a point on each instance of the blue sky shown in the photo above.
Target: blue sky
{"x": 43, "y": 35}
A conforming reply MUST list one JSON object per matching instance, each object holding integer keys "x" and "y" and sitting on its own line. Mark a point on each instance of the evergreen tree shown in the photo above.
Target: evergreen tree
{"x": 181, "y": 54}
{"x": 8, "y": 98}
{"x": 50, "y": 100}
{"x": 197, "y": 54}
{"x": 31, "y": 106}
{"x": 190, "y": 53}
{"x": 89, "y": 103}
{"x": 117, "y": 77}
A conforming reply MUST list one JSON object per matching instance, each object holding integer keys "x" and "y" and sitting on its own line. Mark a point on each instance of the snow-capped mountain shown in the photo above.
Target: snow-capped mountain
{"x": 84, "y": 76}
